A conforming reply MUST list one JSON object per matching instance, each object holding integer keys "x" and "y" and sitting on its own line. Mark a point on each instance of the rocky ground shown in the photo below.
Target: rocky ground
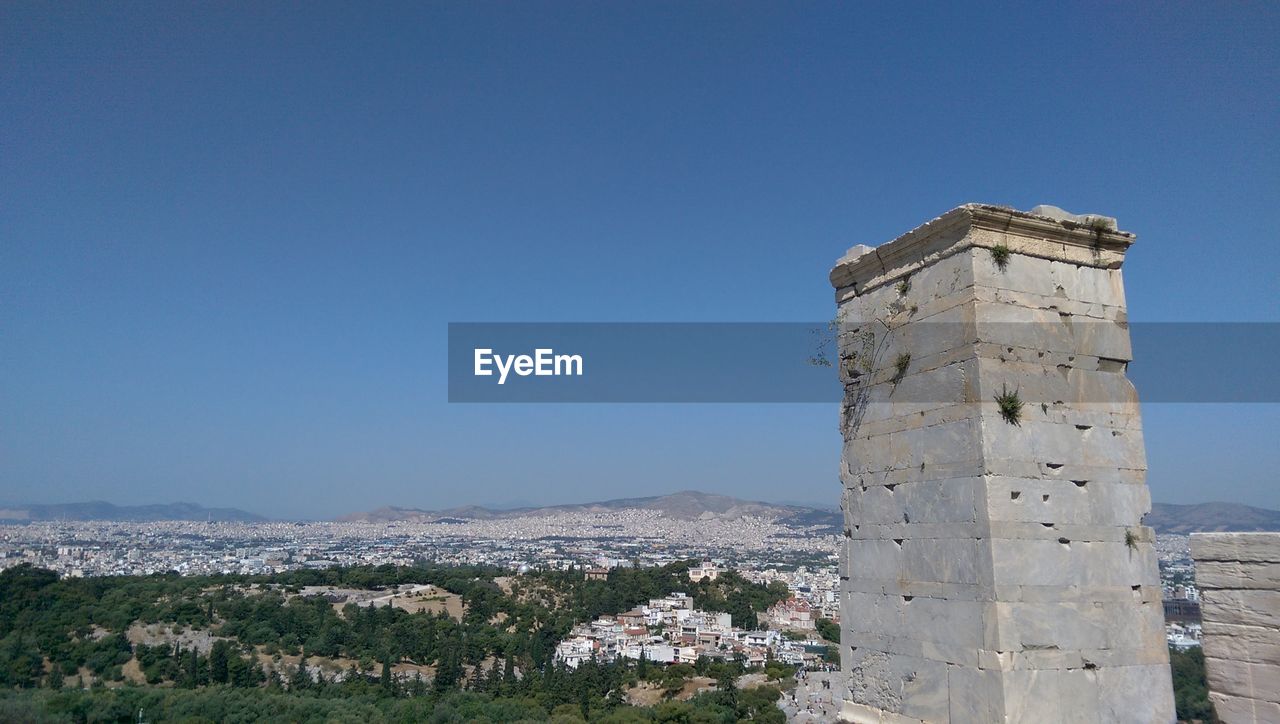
{"x": 814, "y": 699}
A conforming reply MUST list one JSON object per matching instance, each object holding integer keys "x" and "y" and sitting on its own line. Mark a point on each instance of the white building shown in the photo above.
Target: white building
{"x": 574, "y": 651}
{"x": 708, "y": 569}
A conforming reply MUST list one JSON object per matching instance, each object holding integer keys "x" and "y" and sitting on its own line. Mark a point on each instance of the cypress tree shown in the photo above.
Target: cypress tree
{"x": 385, "y": 678}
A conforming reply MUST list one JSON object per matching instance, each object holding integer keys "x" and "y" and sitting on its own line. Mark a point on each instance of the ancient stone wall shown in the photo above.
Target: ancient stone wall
{"x": 995, "y": 565}
{"x": 1238, "y": 575}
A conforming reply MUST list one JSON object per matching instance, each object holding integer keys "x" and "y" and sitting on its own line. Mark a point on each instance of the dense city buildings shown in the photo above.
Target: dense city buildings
{"x": 670, "y": 630}
{"x": 595, "y": 543}
{"x": 556, "y": 542}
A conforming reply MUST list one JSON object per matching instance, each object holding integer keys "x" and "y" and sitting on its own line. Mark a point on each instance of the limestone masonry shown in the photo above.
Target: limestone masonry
{"x": 1239, "y": 579}
{"x": 995, "y": 565}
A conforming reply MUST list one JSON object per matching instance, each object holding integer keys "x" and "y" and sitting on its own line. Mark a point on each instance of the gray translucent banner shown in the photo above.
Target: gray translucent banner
{"x": 917, "y": 362}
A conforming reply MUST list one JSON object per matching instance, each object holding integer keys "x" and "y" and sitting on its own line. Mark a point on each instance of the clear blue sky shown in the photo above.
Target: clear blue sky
{"x": 232, "y": 234}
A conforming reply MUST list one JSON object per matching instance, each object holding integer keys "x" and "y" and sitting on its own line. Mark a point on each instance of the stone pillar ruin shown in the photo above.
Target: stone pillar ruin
{"x": 1238, "y": 575}
{"x": 995, "y": 567}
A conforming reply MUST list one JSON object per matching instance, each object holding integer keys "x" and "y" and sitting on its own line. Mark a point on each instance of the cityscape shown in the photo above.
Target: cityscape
{"x": 762, "y": 549}
{"x": 639, "y": 363}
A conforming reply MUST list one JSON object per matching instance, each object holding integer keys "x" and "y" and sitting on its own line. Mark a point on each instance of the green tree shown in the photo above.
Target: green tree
{"x": 1190, "y": 689}
{"x": 218, "y": 656}
{"x": 829, "y": 630}
{"x": 384, "y": 679}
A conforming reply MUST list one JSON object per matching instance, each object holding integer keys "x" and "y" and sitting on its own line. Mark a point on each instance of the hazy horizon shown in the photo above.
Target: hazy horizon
{"x": 497, "y": 506}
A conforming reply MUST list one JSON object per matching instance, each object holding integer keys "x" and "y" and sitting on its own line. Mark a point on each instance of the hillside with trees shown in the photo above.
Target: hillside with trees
{"x": 270, "y": 647}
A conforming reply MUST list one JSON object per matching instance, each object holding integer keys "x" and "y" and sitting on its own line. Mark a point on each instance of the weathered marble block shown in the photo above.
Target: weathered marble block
{"x": 1239, "y": 578}
{"x": 995, "y": 564}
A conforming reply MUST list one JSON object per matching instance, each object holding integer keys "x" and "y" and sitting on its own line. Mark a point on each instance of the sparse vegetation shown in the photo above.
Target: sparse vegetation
{"x": 900, "y": 366}
{"x": 1131, "y": 540}
{"x": 903, "y": 286}
{"x": 1010, "y": 405}
{"x": 1000, "y": 256}
{"x": 824, "y": 340}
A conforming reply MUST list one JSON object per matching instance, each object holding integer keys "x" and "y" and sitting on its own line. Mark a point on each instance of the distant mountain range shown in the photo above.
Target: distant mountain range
{"x": 685, "y": 505}
{"x": 99, "y": 510}
{"x": 1169, "y": 518}
{"x": 694, "y": 505}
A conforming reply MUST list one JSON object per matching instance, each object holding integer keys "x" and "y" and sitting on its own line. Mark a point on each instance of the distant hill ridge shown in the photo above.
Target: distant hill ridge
{"x": 100, "y": 510}
{"x": 1183, "y": 519}
{"x": 695, "y": 505}
{"x": 684, "y": 505}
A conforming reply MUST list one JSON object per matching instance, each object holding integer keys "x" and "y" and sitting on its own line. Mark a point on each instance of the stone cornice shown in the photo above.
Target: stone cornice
{"x": 954, "y": 231}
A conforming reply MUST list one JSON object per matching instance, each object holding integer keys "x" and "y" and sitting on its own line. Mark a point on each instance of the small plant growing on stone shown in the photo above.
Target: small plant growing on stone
{"x": 900, "y": 366}
{"x": 903, "y": 287}
{"x": 1010, "y": 405}
{"x": 823, "y": 340}
{"x": 1131, "y": 540}
{"x": 1000, "y": 256}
